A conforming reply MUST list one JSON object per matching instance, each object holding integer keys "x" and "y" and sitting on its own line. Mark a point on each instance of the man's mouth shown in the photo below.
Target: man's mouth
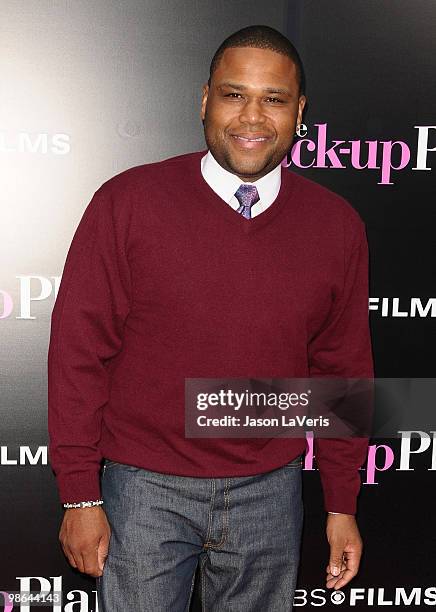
{"x": 250, "y": 141}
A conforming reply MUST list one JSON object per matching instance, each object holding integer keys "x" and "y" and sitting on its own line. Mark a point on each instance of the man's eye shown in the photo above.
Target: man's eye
{"x": 233, "y": 94}
{"x": 274, "y": 100}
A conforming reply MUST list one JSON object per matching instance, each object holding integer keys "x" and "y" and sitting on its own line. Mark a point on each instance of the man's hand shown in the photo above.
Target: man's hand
{"x": 345, "y": 549}
{"x": 85, "y": 535}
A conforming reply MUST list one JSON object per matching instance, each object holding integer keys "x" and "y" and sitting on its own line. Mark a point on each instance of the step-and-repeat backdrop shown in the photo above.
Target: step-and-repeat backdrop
{"x": 371, "y": 136}
{"x": 89, "y": 89}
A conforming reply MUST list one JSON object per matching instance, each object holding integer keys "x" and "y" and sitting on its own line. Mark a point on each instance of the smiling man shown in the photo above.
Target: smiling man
{"x": 250, "y": 108}
{"x": 214, "y": 264}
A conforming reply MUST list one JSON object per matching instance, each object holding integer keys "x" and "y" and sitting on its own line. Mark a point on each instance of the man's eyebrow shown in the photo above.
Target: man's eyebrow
{"x": 237, "y": 86}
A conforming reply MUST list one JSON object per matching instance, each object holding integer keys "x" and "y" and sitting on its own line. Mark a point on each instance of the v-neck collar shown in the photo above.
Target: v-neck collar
{"x": 247, "y": 226}
{"x": 225, "y": 184}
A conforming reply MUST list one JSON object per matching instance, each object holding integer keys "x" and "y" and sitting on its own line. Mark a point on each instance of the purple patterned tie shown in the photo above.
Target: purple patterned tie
{"x": 247, "y": 196}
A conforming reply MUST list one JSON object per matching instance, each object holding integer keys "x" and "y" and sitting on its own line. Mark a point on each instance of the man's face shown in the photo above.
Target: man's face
{"x": 250, "y": 111}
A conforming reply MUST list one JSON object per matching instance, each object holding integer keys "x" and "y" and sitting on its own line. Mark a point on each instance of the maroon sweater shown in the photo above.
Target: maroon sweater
{"x": 165, "y": 281}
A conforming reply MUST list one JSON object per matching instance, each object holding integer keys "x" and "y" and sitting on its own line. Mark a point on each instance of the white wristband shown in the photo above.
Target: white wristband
{"x": 84, "y": 504}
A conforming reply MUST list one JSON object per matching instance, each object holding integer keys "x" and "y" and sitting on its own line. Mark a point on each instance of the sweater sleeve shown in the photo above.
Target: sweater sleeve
{"x": 86, "y": 331}
{"x": 343, "y": 349}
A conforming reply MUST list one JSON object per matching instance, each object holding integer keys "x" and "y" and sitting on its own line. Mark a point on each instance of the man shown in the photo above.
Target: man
{"x": 220, "y": 263}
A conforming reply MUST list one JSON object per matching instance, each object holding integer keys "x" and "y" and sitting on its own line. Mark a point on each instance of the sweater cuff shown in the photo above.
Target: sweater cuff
{"x": 83, "y": 486}
{"x": 340, "y": 501}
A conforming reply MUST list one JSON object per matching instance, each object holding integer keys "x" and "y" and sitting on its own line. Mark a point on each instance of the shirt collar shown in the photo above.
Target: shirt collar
{"x": 224, "y": 183}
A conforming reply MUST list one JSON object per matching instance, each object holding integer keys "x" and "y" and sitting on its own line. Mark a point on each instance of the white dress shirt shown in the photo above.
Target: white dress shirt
{"x": 225, "y": 184}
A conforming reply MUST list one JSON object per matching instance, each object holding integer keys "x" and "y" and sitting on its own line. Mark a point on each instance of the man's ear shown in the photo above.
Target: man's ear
{"x": 204, "y": 101}
{"x": 301, "y": 105}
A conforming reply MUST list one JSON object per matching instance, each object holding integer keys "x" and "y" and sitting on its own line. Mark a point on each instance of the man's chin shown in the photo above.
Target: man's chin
{"x": 250, "y": 169}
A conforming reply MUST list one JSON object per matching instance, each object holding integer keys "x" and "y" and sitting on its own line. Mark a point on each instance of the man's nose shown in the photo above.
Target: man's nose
{"x": 252, "y": 112}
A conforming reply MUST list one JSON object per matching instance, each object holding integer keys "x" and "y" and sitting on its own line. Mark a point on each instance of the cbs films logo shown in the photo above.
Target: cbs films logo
{"x": 366, "y": 597}
{"x": 36, "y": 288}
{"x": 385, "y": 156}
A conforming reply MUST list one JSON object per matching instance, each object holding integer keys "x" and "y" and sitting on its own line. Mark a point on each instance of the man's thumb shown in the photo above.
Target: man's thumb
{"x": 336, "y": 561}
{"x": 102, "y": 552}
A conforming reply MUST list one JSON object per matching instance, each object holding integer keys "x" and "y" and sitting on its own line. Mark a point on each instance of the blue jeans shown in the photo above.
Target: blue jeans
{"x": 245, "y": 533}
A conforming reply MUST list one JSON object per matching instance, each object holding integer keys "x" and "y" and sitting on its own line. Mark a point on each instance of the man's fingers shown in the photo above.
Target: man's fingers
{"x": 102, "y": 551}
{"x": 336, "y": 560}
{"x": 342, "y": 580}
{"x": 342, "y": 567}
{"x": 85, "y": 561}
{"x": 90, "y": 563}
{"x": 70, "y": 556}
{"x": 349, "y": 569}
{"x": 331, "y": 579}
{"x": 353, "y": 561}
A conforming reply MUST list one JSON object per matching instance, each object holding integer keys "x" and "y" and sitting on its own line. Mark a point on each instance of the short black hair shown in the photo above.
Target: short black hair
{"x": 261, "y": 37}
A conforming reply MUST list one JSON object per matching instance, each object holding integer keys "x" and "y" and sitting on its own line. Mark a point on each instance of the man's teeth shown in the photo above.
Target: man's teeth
{"x": 250, "y": 139}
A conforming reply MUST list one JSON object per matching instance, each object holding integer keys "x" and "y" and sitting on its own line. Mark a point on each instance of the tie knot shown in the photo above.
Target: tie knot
{"x": 247, "y": 196}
